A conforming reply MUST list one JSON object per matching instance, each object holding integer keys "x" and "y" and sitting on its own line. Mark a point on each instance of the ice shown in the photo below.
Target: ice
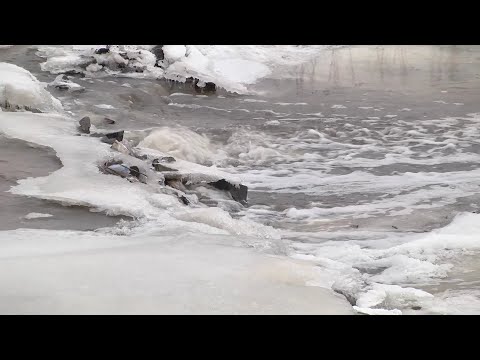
{"x": 402, "y": 260}
{"x": 369, "y": 311}
{"x": 391, "y": 297}
{"x": 62, "y": 82}
{"x": 230, "y": 67}
{"x": 19, "y": 89}
{"x": 174, "y": 52}
{"x": 79, "y": 181}
{"x": 180, "y": 94}
{"x": 68, "y": 272}
{"x": 241, "y": 71}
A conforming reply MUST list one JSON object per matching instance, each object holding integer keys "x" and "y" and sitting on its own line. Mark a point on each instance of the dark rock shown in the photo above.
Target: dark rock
{"x": 106, "y": 140}
{"x": 116, "y": 135}
{"x": 74, "y": 72}
{"x": 116, "y": 169}
{"x": 176, "y": 184}
{"x": 167, "y": 159}
{"x": 351, "y": 299}
{"x": 416, "y": 308}
{"x": 135, "y": 171}
{"x": 108, "y": 121}
{"x": 173, "y": 176}
{"x": 393, "y": 226}
{"x": 238, "y": 193}
{"x": 102, "y": 51}
{"x": 62, "y": 87}
{"x": 159, "y": 167}
{"x": 85, "y": 124}
{"x": 110, "y": 138}
{"x": 209, "y": 87}
{"x": 158, "y": 52}
{"x": 184, "y": 200}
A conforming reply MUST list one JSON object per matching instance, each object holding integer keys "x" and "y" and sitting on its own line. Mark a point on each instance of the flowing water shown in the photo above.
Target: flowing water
{"x": 360, "y": 157}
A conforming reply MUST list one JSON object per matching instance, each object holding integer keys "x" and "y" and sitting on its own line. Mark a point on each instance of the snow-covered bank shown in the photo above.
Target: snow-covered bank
{"x": 173, "y": 259}
{"x": 55, "y": 272}
{"x": 232, "y": 67}
{"x": 20, "y": 90}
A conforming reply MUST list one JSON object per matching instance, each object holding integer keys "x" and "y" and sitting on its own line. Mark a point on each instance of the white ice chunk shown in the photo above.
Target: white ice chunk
{"x": 19, "y": 89}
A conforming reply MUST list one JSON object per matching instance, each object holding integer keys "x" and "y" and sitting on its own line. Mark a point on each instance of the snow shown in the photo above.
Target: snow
{"x": 233, "y": 68}
{"x": 69, "y": 272}
{"x": 20, "y": 89}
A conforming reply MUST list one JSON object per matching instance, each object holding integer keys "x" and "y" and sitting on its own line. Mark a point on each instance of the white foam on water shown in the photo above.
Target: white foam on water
{"x": 34, "y": 215}
{"x": 287, "y": 104}
{"x": 105, "y": 106}
{"x": 254, "y": 100}
{"x": 181, "y": 143}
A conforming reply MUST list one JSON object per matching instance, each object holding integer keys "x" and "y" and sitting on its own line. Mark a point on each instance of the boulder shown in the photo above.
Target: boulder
{"x": 120, "y": 147}
{"x": 108, "y": 121}
{"x": 208, "y": 87}
{"x": 158, "y": 52}
{"x": 110, "y": 138}
{"x": 159, "y": 167}
{"x": 176, "y": 184}
{"x": 102, "y": 51}
{"x": 238, "y": 193}
{"x": 85, "y": 124}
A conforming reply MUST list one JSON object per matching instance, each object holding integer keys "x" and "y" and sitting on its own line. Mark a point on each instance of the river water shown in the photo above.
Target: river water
{"x": 361, "y": 158}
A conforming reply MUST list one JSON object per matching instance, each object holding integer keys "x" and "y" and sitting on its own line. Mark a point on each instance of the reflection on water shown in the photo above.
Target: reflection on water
{"x": 395, "y": 66}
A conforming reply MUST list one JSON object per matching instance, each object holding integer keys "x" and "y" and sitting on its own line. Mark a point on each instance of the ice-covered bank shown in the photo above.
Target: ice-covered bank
{"x": 232, "y": 67}
{"x": 172, "y": 259}
{"x": 84, "y": 272}
{"x": 21, "y": 90}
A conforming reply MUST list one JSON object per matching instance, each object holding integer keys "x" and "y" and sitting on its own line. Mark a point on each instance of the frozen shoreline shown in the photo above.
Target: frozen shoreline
{"x": 365, "y": 241}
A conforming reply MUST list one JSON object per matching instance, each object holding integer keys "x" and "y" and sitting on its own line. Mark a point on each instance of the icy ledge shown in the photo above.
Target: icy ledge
{"x": 20, "y": 90}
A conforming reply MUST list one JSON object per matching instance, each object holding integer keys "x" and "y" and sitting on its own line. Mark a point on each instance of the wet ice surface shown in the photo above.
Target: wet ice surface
{"x": 19, "y": 160}
{"x": 362, "y": 150}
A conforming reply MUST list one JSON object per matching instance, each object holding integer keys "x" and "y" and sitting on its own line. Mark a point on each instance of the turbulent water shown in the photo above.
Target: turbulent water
{"x": 361, "y": 163}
